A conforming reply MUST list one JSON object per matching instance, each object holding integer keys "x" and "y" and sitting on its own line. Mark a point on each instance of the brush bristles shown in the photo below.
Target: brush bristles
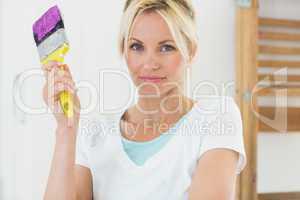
{"x": 49, "y": 35}
{"x": 47, "y": 24}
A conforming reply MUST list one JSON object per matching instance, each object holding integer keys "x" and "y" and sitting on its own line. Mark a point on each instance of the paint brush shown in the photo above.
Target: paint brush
{"x": 52, "y": 44}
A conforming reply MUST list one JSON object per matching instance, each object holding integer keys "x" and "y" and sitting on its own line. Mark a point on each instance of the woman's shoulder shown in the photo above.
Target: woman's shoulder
{"x": 216, "y": 106}
{"x": 214, "y": 115}
{"x": 220, "y": 126}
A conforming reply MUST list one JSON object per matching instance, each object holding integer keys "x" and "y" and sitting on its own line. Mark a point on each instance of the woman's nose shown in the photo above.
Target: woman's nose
{"x": 151, "y": 62}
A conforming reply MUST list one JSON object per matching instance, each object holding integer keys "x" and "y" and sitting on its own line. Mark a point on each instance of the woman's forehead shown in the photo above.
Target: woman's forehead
{"x": 151, "y": 25}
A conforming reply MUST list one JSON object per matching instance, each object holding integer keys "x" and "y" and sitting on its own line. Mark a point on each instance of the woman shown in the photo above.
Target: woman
{"x": 133, "y": 157}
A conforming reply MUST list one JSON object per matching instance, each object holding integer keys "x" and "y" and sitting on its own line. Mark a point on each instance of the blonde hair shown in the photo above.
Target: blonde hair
{"x": 178, "y": 14}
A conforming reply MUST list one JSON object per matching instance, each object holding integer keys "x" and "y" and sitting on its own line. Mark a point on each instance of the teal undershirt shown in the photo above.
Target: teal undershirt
{"x": 140, "y": 152}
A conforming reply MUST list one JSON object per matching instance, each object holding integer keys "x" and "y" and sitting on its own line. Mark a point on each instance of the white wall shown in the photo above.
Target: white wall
{"x": 278, "y": 155}
{"x": 6, "y": 178}
{"x": 216, "y": 61}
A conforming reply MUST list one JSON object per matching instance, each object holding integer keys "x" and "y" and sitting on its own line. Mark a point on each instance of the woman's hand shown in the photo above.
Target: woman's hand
{"x": 58, "y": 80}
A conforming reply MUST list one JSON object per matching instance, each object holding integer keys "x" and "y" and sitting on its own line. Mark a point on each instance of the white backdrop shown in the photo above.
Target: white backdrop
{"x": 26, "y": 140}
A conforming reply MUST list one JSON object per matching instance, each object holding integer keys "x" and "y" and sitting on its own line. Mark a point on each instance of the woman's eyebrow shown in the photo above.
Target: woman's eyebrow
{"x": 164, "y": 41}
{"x": 132, "y": 38}
{"x": 161, "y": 42}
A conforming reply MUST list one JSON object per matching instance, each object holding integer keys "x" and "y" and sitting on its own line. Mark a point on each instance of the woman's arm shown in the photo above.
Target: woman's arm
{"x": 215, "y": 176}
{"x": 67, "y": 181}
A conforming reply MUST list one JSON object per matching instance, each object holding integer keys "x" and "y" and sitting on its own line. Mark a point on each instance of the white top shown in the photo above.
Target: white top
{"x": 211, "y": 123}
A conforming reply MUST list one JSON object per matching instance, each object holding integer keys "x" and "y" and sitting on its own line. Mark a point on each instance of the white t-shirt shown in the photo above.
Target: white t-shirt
{"x": 211, "y": 123}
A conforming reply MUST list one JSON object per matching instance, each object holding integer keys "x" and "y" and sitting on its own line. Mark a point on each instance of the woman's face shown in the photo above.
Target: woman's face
{"x": 154, "y": 61}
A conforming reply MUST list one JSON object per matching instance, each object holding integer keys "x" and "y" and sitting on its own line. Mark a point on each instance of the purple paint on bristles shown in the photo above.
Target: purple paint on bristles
{"x": 46, "y": 22}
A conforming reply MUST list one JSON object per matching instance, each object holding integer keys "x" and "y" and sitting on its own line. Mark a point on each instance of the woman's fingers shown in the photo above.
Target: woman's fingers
{"x": 52, "y": 99}
{"x": 65, "y": 67}
{"x": 54, "y": 89}
{"x": 58, "y": 80}
{"x": 48, "y": 67}
{"x": 58, "y": 76}
{"x": 59, "y": 87}
{"x": 52, "y": 65}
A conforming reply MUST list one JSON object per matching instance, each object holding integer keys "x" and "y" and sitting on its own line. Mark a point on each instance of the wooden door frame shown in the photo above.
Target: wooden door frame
{"x": 246, "y": 78}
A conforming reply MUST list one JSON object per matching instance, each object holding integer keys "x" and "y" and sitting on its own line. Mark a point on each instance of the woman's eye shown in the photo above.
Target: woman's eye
{"x": 166, "y": 48}
{"x": 136, "y": 47}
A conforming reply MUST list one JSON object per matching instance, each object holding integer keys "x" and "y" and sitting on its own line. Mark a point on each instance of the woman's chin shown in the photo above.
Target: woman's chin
{"x": 150, "y": 91}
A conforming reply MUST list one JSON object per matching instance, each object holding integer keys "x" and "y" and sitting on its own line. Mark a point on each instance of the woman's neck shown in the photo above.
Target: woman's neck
{"x": 152, "y": 111}
{"x": 136, "y": 120}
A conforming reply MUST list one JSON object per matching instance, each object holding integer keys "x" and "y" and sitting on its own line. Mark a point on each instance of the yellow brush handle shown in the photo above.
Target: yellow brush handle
{"x": 66, "y": 103}
{"x": 65, "y": 98}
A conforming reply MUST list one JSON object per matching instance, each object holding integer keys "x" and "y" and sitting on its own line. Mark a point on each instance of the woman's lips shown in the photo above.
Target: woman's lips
{"x": 152, "y": 79}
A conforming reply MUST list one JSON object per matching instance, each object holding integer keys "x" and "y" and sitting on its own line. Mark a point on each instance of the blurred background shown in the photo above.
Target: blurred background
{"x": 27, "y": 129}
